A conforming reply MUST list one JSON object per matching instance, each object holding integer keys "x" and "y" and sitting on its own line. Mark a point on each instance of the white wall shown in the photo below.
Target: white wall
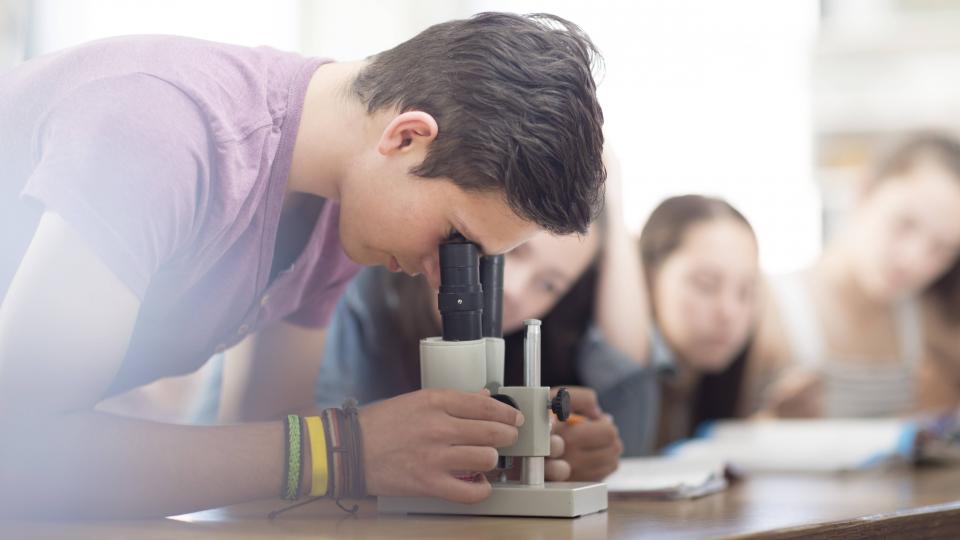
{"x": 350, "y": 30}
{"x": 13, "y": 32}
{"x": 709, "y": 97}
{"x": 62, "y": 23}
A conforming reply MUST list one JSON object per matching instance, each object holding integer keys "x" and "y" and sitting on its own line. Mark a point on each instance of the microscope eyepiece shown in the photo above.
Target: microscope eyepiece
{"x": 461, "y": 296}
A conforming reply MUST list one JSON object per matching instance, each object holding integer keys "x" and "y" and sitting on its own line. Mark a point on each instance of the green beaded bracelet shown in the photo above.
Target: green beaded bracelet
{"x": 294, "y": 461}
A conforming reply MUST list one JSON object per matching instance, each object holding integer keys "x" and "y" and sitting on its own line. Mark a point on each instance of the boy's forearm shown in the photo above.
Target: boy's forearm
{"x": 96, "y": 465}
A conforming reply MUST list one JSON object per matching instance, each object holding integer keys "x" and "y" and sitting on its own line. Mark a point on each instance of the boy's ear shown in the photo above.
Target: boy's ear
{"x": 407, "y": 131}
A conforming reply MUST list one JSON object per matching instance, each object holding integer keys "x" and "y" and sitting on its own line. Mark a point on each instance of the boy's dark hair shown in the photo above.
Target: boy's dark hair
{"x": 516, "y": 104}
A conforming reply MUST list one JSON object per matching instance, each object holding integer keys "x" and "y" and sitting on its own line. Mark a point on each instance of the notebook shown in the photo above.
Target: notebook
{"x": 667, "y": 478}
{"x": 821, "y": 445}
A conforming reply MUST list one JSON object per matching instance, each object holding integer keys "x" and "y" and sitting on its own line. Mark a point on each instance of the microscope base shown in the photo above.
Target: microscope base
{"x": 553, "y": 499}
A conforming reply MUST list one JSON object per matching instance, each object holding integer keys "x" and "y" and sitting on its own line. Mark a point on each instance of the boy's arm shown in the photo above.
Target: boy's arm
{"x": 64, "y": 328}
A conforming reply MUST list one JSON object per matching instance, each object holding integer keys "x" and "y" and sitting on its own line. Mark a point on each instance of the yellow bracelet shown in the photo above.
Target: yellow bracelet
{"x": 318, "y": 456}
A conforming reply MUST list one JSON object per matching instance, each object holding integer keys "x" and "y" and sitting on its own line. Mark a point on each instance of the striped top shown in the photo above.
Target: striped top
{"x": 853, "y": 387}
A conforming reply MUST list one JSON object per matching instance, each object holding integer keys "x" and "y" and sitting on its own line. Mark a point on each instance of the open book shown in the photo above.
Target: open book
{"x": 667, "y": 478}
{"x": 822, "y": 445}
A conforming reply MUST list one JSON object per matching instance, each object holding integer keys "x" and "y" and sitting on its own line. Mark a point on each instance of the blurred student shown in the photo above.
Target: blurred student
{"x": 587, "y": 291}
{"x": 871, "y": 328}
{"x": 701, "y": 265}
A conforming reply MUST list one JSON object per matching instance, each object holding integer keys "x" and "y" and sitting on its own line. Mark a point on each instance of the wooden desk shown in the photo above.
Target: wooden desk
{"x": 898, "y": 504}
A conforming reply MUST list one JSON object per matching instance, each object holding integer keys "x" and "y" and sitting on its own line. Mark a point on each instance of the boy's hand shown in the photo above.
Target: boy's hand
{"x": 416, "y": 443}
{"x": 592, "y": 444}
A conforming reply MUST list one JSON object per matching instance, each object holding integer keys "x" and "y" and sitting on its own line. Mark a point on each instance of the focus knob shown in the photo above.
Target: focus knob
{"x": 560, "y": 404}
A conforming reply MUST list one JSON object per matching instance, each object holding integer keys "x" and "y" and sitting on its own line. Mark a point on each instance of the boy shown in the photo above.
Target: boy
{"x": 197, "y": 197}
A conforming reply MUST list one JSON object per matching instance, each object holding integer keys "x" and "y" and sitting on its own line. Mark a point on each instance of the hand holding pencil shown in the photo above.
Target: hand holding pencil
{"x": 592, "y": 445}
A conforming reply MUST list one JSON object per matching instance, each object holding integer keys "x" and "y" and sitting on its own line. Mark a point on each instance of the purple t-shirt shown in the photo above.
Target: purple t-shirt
{"x": 170, "y": 156}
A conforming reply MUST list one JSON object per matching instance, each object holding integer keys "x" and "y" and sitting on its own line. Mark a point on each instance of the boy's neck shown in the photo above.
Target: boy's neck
{"x": 332, "y": 131}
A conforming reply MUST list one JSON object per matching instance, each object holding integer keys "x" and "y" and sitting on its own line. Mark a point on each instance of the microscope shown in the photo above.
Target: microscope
{"x": 469, "y": 357}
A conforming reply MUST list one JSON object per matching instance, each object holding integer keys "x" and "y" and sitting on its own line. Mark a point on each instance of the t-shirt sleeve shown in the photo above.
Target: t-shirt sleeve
{"x": 122, "y": 160}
